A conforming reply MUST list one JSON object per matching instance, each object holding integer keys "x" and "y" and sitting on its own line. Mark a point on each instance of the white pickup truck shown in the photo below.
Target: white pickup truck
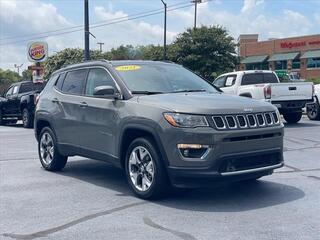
{"x": 313, "y": 109}
{"x": 290, "y": 98}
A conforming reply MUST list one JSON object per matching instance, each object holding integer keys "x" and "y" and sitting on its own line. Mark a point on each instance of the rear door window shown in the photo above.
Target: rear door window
{"x": 26, "y": 87}
{"x": 74, "y": 82}
{"x": 59, "y": 81}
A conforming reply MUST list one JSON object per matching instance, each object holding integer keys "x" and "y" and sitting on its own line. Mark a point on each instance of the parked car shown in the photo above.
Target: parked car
{"x": 289, "y": 98}
{"x": 18, "y": 103}
{"x": 161, "y": 123}
{"x": 313, "y": 109}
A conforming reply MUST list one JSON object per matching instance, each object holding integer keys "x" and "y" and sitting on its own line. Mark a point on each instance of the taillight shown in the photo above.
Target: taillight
{"x": 267, "y": 92}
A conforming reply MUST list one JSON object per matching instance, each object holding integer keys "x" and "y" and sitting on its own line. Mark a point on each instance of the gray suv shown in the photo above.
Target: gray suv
{"x": 161, "y": 123}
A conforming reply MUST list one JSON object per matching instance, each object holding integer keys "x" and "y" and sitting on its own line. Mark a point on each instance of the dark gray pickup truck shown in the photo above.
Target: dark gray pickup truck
{"x": 18, "y": 103}
{"x": 161, "y": 123}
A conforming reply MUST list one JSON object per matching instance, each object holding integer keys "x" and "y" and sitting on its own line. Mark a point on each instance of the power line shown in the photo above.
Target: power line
{"x": 127, "y": 18}
{"x": 81, "y": 26}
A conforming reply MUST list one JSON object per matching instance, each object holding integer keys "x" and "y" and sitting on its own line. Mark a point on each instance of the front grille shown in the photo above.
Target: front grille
{"x": 240, "y": 163}
{"x": 245, "y": 121}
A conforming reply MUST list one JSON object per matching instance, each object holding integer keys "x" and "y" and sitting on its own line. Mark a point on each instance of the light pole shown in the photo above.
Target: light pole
{"x": 195, "y": 11}
{"x": 86, "y": 31}
{"x": 18, "y": 67}
{"x": 165, "y": 32}
{"x": 100, "y": 45}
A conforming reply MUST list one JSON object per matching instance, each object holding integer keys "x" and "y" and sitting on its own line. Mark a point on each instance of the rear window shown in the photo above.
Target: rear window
{"x": 74, "y": 82}
{"x": 258, "y": 78}
{"x": 30, "y": 87}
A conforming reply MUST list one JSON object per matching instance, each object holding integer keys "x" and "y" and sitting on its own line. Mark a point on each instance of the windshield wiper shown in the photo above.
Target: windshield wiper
{"x": 194, "y": 90}
{"x": 146, "y": 92}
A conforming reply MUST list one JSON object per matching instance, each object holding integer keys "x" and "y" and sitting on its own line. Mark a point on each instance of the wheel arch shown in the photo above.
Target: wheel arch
{"x": 39, "y": 125}
{"x": 134, "y": 131}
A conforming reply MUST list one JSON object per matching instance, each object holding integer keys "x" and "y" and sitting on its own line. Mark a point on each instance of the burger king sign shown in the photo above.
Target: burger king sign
{"x": 37, "y": 51}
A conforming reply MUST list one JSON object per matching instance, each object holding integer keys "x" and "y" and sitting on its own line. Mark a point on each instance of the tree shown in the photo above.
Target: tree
{"x": 7, "y": 77}
{"x": 27, "y": 75}
{"x": 208, "y": 51}
{"x": 70, "y": 56}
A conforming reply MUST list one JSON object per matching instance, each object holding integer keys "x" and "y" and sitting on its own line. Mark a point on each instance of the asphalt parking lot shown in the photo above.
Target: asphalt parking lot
{"x": 90, "y": 199}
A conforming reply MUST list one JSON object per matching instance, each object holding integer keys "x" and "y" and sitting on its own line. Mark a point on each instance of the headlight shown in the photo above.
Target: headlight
{"x": 186, "y": 120}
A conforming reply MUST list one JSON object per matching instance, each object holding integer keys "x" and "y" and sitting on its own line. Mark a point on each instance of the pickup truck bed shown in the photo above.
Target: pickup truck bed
{"x": 289, "y": 98}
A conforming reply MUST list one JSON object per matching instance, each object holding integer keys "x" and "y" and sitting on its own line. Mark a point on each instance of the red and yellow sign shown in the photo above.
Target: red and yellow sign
{"x": 37, "y": 51}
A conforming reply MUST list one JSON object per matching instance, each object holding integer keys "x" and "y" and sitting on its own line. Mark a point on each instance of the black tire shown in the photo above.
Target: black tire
{"x": 160, "y": 183}
{"x": 313, "y": 111}
{"x": 2, "y": 122}
{"x": 292, "y": 117}
{"x": 58, "y": 161}
{"x": 27, "y": 118}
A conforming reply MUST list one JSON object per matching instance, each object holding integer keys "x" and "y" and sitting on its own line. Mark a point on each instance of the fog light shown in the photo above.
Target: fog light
{"x": 193, "y": 150}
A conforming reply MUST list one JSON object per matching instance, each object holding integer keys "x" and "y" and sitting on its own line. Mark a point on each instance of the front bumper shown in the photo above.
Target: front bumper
{"x": 234, "y": 155}
{"x": 187, "y": 177}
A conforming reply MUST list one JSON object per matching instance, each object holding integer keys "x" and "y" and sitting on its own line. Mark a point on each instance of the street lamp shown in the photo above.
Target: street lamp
{"x": 165, "y": 32}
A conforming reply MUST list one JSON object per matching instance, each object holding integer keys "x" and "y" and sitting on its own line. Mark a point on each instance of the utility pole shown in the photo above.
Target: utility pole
{"x": 165, "y": 32}
{"x": 195, "y": 11}
{"x": 100, "y": 45}
{"x": 18, "y": 67}
{"x": 86, "y": 31}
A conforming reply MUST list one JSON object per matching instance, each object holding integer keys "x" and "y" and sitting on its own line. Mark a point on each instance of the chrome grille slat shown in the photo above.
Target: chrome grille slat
{"x": 245, "y": 121}
{"x": 228, "y": 123}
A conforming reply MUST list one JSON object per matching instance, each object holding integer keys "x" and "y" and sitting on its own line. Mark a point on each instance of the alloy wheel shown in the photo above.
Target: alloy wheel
{"x": 141, "y": 168}
{"x": 46, "y": 148}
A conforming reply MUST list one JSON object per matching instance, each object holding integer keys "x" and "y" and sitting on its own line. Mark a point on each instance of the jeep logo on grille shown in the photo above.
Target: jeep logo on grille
{"x": 248, "y": 110}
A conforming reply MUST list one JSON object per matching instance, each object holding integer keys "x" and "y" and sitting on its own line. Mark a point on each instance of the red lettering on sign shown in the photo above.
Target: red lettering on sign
{"x": 292, "y": 44}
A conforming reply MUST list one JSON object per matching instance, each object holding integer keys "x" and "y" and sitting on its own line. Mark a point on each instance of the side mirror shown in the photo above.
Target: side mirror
{"x": 105, "y": 92}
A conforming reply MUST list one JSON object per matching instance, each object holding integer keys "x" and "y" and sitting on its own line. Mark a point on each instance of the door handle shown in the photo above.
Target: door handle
{"x": 83, "y": 105}
{"x": 55, "y": 100}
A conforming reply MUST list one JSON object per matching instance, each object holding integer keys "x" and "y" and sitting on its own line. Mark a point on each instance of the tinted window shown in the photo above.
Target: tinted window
{"x": 74, "y": 82}
{"x": 161, "y": 78}
{"x": 59, "y": 81}
{"x": 258, "y": 78}
{"x": 98, "y": 77}
{"x": 26, "y": 87}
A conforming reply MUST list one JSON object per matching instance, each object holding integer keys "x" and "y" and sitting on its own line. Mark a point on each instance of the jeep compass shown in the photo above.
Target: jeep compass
{"x": 161, "y": 123}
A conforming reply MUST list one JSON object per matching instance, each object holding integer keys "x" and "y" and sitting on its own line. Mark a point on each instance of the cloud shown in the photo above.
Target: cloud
{"x": 133, "y": 32}
{"x": 250, "y": 5}
{"x": 20, "y": 18}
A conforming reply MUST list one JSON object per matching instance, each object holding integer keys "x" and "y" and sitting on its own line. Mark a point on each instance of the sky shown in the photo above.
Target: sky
{"x": 117, "y": 22}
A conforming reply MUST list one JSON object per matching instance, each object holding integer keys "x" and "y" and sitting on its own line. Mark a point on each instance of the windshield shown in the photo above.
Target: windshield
{"x": 161, "y": 78}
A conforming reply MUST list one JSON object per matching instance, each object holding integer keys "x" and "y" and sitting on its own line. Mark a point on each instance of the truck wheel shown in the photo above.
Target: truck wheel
{"x": 146, "y": 174}
{"x": 27, "y": 118}
{"x": 2, "y": 122}
{"x": 49, "y": 155}
{"x": 292, "y": 117}
{"x": 313, "y": 111}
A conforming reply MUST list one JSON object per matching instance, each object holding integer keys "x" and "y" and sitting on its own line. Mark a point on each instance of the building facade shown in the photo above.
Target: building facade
{"x": 297, "y": 54}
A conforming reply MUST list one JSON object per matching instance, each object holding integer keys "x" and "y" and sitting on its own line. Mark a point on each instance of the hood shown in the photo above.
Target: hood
{"x": 206, "y": 103}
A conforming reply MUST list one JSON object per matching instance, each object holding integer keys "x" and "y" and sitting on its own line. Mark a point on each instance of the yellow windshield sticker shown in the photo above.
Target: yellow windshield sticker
{"x": 128, "y": 68}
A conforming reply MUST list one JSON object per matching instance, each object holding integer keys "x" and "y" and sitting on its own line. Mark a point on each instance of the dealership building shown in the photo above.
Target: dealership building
{"x": 296, "y": 54}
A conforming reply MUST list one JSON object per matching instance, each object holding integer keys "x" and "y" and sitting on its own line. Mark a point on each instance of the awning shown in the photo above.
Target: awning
{"x": 254, "y": 59}
{"x": 311, "y": 54}
{"x": 283, "y": 56}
